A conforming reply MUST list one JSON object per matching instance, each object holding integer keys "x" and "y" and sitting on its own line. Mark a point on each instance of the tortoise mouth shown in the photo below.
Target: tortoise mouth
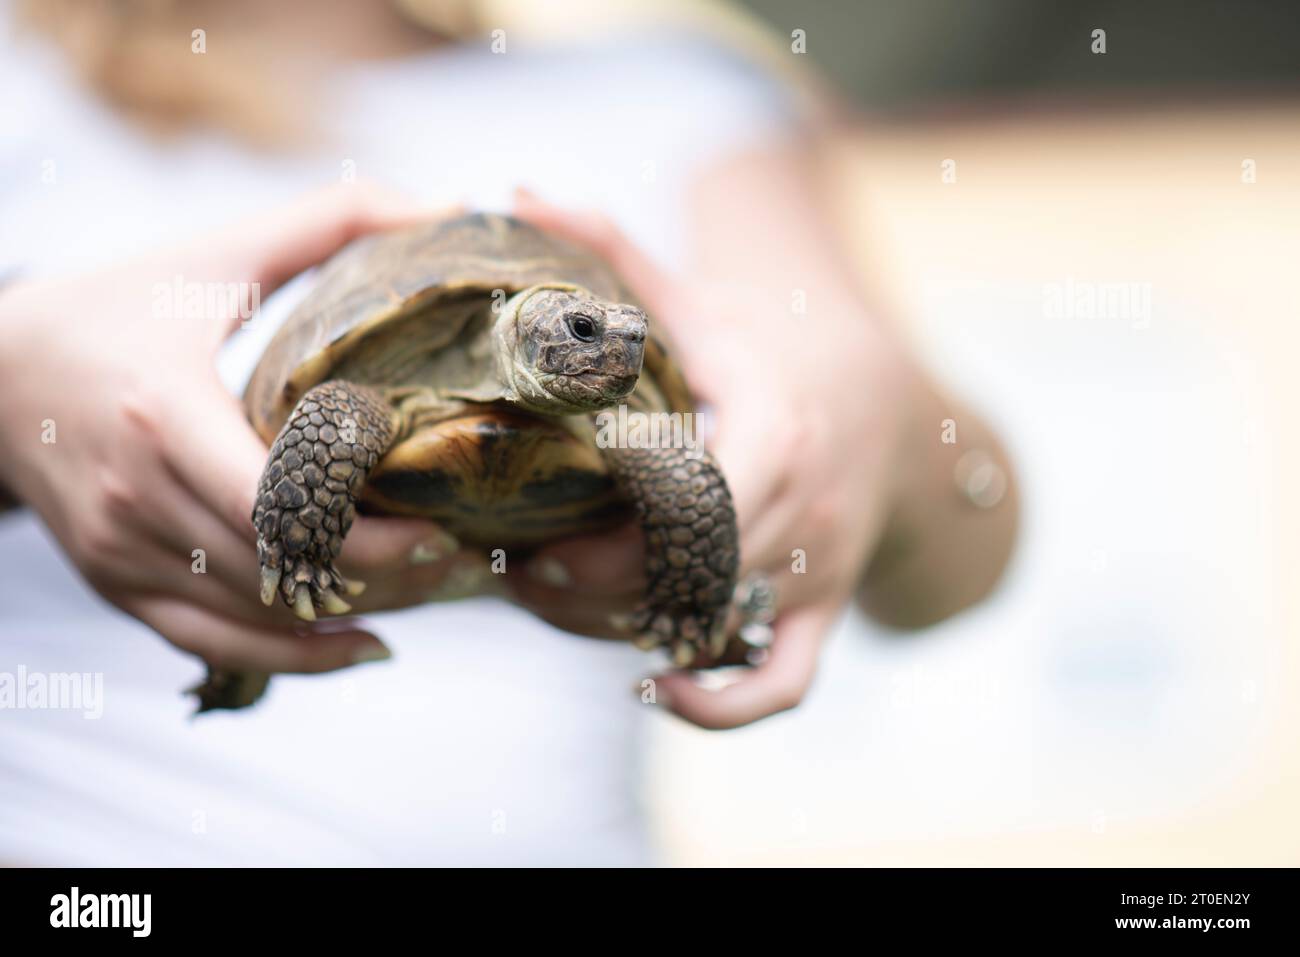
{"x": 606, "y": 382}
{"x": 592, "y": 390}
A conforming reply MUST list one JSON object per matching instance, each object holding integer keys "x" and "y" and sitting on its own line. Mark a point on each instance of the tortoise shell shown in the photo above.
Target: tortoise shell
{"x": 409, "y": 313}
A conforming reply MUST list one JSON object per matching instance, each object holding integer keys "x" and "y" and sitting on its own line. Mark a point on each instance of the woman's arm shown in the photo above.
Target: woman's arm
{"x": 762, "y": 220}
{"x": 953, "y": 522}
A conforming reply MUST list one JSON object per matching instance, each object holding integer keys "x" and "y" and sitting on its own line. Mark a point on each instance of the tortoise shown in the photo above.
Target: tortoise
{"x": 456, "y": 371}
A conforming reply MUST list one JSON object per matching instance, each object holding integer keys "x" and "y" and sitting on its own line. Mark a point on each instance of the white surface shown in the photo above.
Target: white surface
{"x": 490, "y": 738}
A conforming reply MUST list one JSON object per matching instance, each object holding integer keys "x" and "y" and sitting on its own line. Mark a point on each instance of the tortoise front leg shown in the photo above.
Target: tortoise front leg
{"x": 306, "y": 503}
{"x": 692, "y": 546}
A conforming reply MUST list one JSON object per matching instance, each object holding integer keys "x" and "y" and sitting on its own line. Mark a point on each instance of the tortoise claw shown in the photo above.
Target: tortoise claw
{"x": 302, "y": 604}
{"x": 308, "y": 588}
{"x": 718, "y": 641}
{"x": 270, "y": 584}
{"x": 687, "y": 642}
{"x": 332, "y": 603}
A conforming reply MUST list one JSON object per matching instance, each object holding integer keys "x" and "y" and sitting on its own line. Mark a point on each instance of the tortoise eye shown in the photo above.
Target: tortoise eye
{"x": 582, "y": 328}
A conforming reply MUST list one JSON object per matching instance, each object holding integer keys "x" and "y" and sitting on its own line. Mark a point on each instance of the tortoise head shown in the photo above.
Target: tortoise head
{"x": 562, "y": 350}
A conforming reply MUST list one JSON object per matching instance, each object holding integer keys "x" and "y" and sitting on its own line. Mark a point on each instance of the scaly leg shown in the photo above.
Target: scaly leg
{"x": 306, "y": 501}
{"x": 692, "y": 547}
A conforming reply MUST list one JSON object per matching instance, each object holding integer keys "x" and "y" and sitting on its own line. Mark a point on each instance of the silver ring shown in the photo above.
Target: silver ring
{"x": 755, "y": 599}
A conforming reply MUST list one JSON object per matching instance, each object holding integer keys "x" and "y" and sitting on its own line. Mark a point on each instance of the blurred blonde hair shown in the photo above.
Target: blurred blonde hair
{"x": 138, "y": 55}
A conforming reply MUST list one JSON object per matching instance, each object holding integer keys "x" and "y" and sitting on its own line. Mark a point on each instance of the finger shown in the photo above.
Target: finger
{"x": 782, "y": 530}
{"x": 228, "y": 644}
{"x": 378, "y": 546}
{"x": 145, "y": 498}
{"x": 181, "y": 523}
{"x": 139, "y": 563}
{"x": 415, "y": 585}
{"x": 593, "y": 618}
{"x": 745, "y": 455}
{"x": 209, "y": 444}
{"x": 650, "y": 283}
{"x": 611, "y": 563}
{"x": 778, "y": 684}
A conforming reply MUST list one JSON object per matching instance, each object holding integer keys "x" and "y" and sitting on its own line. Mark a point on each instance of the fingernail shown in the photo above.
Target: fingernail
{"x": 433, "y": 549}
{"x": 465, "y": 578}
{"x": 715, "y": 680}
{"x": 550, "y": 571}
{"x": 374, "y": 652}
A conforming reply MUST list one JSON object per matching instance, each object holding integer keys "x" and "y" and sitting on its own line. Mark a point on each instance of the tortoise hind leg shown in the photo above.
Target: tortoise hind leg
{"x": 692, "y": 546}
{"x": 306, "y": 503}
{"x": 229, "y": 689}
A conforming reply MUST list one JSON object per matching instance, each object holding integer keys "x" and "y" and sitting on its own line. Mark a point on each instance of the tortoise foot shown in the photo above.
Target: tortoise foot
{"x": 692, "y": 551}
{"x": 692, "y": 638}
{"x": 307, "y": 583}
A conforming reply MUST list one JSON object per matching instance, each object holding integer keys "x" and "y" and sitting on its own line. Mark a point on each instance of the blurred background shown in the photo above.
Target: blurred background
{"x": 1093, "y": 248}
{"x": 1129, "y": 696}
{"x": 935, "y": 55}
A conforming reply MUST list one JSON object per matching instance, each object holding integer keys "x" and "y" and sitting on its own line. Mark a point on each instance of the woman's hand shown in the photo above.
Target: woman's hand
{"x": 116, "y": 430}
{"x": 810, "y": 416}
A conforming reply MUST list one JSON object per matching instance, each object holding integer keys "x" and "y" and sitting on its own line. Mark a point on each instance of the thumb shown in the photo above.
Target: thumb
{"x": 226, "y": 643}
{"x": 269, "y": 249}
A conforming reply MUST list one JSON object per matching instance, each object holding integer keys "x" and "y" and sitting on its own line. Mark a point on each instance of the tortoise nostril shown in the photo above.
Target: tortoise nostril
{"x": 631, "y": 331}
{"x": 627, "y": 323}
